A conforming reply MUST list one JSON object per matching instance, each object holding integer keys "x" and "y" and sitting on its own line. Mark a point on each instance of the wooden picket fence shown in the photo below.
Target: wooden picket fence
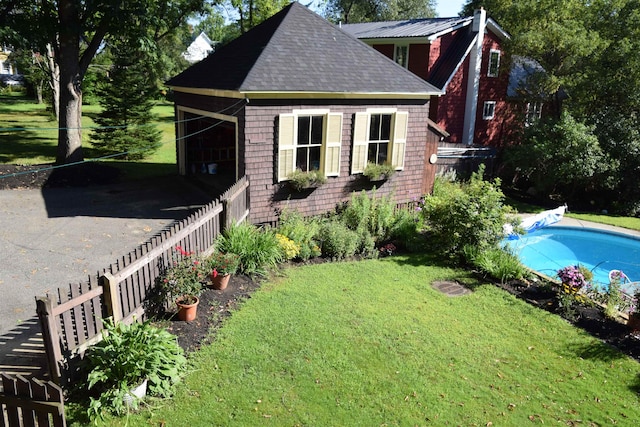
{"x": 71, "y": 318}
{"x": 30, "y": 403}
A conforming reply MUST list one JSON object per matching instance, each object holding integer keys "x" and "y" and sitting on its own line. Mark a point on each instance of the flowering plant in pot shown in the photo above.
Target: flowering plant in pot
{"x": 222, "y": 265}
{"x": 183, "y": 281}
{"x": 573, "y": 278}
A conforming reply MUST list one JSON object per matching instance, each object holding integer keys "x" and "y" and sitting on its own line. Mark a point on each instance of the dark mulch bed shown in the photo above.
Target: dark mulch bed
{"x": 50, "y": 176}
{"x": 214, "y": 307}
{"x": 590, "y": 319}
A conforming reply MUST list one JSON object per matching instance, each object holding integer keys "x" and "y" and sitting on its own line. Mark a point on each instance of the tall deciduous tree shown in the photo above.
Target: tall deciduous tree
{"x": 76, "y": 30}
{"x": 353, "y": 11}
{"x": 253, "y": 12}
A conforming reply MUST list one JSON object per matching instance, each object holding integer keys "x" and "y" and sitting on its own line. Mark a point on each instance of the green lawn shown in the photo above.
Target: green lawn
{"x": 28, "y": 136}
{"x": 370, "y": 343}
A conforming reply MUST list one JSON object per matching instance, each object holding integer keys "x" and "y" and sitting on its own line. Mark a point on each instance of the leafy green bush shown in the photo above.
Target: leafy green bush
{"x": 372, "y": 214}
{"x": 405, "y": 230}
{"x": 302, "y": 231}
{"x": 127, "y": 355}
{"x": 471, "y": 213}
{"x": 497, "y": 263}
{"x": 337, "y": 240}
{"x": 257, "y": 248}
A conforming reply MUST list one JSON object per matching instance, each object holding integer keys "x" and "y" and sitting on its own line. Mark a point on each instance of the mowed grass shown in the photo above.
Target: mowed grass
{"x": 371, "y": 343}
{"x": 29, "y": 136}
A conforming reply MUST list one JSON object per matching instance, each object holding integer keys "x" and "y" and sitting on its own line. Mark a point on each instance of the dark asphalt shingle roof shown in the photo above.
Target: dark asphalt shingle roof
{"x": 296, "y": 50}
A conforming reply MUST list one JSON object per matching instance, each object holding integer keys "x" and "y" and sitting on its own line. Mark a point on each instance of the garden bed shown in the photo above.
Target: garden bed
{"x": 590, "y": 319}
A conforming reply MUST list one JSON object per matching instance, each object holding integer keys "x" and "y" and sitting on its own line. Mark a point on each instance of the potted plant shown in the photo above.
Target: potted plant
{"x": 378, "y": 172}
{"x": 300, "y": 180}
{"x": 183, "y": 281}
{"x": 127, "y": 359}
{"x": 222, "y": 265}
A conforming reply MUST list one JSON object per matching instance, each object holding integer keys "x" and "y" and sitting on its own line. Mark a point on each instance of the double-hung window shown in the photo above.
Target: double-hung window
{"x": 401, "y": 55}
{"x": 494, "y": 63}
{"x": 533, "y": 113}
{"x": 489, "y": 110}
{"x": 309, "y": 140}
{"x": 379, "y": 136}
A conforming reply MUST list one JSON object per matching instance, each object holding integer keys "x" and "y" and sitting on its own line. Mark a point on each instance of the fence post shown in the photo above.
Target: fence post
{"x": 111, "y": 293}
{"x": 50, "y": 336}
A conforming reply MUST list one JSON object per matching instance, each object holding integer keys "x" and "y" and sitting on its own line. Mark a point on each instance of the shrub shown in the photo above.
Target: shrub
{"x": 472, "y": 213}
{"x": 337, "y": 240}
{"x": 405, "y": 230}
{"x": 127, "y": 355}
{"x": 302, "y": 231}
{"x": 289, "y": 248}
{"x": 257, "y": 248}
{"x": 372, "y": 214}
{"x": 497, "y": 263}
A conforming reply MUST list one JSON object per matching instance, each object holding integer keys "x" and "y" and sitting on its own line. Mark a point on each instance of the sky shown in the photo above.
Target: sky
{"x": 448, "y": 8}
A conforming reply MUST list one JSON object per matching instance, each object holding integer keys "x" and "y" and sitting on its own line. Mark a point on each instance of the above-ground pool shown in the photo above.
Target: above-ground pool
{"x": 549, "y": 249}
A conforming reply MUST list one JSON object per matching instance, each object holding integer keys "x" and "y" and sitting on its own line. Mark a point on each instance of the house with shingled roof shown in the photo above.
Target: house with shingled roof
{"x": 298, "y": 93}
{"x": 463, "y": 57}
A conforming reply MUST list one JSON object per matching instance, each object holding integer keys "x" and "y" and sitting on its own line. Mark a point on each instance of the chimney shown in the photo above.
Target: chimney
{"x": 479, "y": 20}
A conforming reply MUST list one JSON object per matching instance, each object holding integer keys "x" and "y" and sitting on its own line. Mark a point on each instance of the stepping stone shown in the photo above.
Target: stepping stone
{"x": 449, "y": 288}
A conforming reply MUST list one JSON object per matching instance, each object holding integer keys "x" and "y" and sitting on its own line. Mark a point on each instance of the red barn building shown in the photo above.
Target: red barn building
{"x": 464, "y": 58}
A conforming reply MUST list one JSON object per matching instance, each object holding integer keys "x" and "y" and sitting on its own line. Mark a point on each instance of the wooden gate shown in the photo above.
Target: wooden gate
{"x": 30, "y": 403}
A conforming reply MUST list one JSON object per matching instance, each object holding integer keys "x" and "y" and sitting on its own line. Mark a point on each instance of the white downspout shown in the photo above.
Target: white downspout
{"x": 473, "y": 81}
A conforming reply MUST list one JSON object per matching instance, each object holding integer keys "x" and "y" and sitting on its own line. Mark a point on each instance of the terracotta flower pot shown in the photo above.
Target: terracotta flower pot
{"x": 219, "y": 281}
{"x": 187, "y": 312}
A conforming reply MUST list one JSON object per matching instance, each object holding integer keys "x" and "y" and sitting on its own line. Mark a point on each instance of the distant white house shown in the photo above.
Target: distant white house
{"x": 199, "y": 49}
{"x": 8, "y": 70}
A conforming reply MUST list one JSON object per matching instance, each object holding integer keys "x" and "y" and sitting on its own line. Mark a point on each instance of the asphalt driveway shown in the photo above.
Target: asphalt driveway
{"x": 52, "y": 237}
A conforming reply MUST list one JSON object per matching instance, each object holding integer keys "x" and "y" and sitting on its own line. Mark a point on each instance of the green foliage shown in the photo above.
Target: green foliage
{"x": 184, "y": 277}
{"x": 337, "y": 240}
{"x": 374, "y": 332}
{"x": 126, "y": 98}
{"x": 303, "y": 232}
{"x": 558, "y": 157}
{"x": 471, "y": 213}
{"x": 258, "y": 248}
{"x": 348, "y": 12}
{"x": 127, "y": 355}
{"x": 378, "y": 172}
{"x": 497, "y": 263}
{"x": 371, "y": 214}
{"x": 301, "y": 180}
{"x": 223, "y": 263}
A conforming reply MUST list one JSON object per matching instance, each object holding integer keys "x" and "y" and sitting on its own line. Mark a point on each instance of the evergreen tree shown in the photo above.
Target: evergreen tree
{"x": 126, "y": 98}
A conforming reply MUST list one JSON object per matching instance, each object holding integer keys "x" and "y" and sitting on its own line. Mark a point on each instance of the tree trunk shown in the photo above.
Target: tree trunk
{"x": 69, "y": 121}
{"x": 39, "y": 89}
{"x": 54, "y": 80}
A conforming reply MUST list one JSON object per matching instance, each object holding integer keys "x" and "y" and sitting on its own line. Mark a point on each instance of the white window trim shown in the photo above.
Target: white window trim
{"x": 533, "y": 115}
{"x": 489, "y": 73}
{"x": 329, "y": 150}
{"x": 486, "y": 116}
{"x": 397, "y": 140}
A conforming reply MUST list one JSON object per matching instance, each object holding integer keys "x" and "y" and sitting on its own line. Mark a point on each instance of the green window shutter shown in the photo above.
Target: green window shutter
{"x": 360, "y": 140}
{"x": 399, "y": 143}
{"x": 286, "y": 145}
{"x": 332, "y": 145}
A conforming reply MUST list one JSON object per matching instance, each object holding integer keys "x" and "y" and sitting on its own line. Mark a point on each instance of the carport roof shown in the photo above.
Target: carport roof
{"x": 297, "y": 53}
